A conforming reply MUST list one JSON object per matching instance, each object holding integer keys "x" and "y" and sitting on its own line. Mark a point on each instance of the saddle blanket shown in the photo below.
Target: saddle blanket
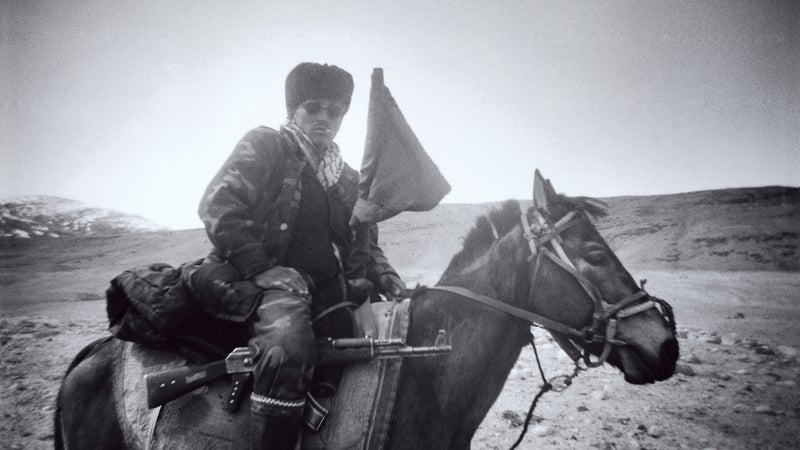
{"x": 359, "y": 417}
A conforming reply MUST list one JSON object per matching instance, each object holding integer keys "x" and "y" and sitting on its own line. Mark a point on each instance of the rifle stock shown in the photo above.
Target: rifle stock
{"x": 172, "y": 383}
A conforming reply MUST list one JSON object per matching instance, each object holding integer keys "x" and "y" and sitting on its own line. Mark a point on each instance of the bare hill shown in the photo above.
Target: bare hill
{"x": 730, "y": 229}
{"x": 742, "y": 229}
{"x": 748, "y": 229}
{"x": 52, "y": 217}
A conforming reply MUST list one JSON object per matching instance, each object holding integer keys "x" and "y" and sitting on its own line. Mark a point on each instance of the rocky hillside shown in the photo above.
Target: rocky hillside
{"x": 726, "y": 229}
{"x": 52, "y": 217}
{"x": 729, "y": 229}
{"x": 752, "y": 229}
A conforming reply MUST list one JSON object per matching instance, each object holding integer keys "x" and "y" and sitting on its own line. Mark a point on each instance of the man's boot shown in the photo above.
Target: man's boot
{"x": 273, "y": 432}
{"x": 275, "y": 422}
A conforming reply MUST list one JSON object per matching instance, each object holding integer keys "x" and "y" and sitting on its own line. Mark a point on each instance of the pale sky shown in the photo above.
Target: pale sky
{"x": 134, "y": 105}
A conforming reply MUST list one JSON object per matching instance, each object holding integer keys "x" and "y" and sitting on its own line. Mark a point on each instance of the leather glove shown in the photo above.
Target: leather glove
{"x": 283, "y": 278}
{"x": 391, "y": 284}
{"x": 361, "y": 289}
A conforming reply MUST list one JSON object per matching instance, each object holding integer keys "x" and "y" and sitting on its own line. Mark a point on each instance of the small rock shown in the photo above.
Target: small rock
{"x": 18, "y": 386}
{"x": 541, "y": 430}
{"x": 599, "y": 395}
{"x": 582, "y": 408}
{"x": 740, "y": 408}
{"x": 764, "y": 350}
{"x": 731, "y": 339}
{"x": 750, "y": 342}
{"x": 787, "y": 352}
{"x": 764, "y": 409}
{"x": 712, "y": 339}
{"x": 692, "y": 359}
{"x": 631, "y": 444}
{"x": 45, "y": 333}
{"x": 685, "y": 369}
{"x": 682, "y": 334}
{"x": 655, "y": 431}
{"x": 720, "y": 376}
{"x": 742, "y": 372}
{"x": 787, "y": 383}
{"x": 513, "y": 418}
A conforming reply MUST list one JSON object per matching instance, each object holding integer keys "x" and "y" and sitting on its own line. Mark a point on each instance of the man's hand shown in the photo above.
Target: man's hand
{"x": 284, "y": 278}
{"x": 391, "y": 284}
{"x": 360, "y": 290}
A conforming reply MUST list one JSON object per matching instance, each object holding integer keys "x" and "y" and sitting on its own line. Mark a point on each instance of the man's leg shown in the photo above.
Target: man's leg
{"x": 284, "y": 339}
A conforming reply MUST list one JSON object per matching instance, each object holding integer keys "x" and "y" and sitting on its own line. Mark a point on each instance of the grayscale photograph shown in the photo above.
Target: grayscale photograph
{"x": 398, "y": 225}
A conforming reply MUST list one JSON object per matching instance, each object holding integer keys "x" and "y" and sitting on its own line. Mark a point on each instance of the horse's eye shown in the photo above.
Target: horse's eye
{"x": 595, "y": 254}
{"x": 596, "y": 257}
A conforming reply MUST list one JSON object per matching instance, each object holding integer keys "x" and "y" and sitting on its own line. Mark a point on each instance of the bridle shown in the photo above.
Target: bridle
{"x": 541, "y": 235}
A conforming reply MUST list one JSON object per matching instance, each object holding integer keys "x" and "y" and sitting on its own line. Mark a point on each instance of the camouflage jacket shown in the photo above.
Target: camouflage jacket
{"x": 250, "y": 206}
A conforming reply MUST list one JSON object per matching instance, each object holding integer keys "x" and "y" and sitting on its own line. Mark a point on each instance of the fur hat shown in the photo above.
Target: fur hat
{"x": 311, "y": 81}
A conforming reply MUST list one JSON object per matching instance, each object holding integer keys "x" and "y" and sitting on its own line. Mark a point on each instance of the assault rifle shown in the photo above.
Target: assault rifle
{"x": 170, "y": 384}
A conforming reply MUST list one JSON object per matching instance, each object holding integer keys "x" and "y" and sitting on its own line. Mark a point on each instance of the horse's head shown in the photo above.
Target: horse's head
{"x": 576, "y": 280}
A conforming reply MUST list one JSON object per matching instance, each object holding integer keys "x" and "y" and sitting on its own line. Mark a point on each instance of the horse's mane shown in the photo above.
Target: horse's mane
{"x": 482, "y": 236}
{"x": 507, "y": 216}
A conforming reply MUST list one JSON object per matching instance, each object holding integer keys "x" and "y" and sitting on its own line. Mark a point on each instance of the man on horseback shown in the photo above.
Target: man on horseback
{"x": 278, "y": 215}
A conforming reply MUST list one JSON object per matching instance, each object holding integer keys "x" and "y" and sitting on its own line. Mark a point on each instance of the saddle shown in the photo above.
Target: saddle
{"x": 359, "y": 412}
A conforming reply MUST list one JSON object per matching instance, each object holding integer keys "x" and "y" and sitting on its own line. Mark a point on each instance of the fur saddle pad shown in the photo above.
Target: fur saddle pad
{"x": 359, "y": 416}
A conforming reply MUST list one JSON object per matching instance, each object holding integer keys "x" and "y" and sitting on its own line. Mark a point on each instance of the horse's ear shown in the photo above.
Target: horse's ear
{"x": 540, "y": 191}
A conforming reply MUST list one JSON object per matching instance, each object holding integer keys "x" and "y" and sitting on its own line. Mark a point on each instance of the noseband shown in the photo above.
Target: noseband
{"x": 605, "y": 316}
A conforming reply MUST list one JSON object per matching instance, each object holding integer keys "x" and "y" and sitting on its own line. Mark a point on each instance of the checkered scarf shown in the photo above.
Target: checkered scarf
{"x": 329, "y": 167}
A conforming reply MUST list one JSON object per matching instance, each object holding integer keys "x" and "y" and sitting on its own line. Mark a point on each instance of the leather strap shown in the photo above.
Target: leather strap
{"x": 511, "y": 310}
{"x": 333, "y": 308}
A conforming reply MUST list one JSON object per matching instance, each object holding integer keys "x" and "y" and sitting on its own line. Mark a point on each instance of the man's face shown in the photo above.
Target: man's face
{"x": 320, "y": 120}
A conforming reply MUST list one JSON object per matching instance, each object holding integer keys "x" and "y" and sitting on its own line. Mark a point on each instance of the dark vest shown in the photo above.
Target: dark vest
{"x": 310, "y": 247}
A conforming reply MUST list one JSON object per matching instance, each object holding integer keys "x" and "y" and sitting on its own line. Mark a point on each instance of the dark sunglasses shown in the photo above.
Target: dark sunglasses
{"x": 314, "y": 107}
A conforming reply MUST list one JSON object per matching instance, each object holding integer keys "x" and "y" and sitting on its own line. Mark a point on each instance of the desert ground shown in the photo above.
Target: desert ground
{"x": 727, "y": 261}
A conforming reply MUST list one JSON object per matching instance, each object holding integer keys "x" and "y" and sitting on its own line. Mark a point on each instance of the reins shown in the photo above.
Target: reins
{"x": 546, "y": 386}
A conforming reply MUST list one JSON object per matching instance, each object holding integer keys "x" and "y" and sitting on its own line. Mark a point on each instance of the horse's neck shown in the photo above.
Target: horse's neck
{"x": 456, "y": 393}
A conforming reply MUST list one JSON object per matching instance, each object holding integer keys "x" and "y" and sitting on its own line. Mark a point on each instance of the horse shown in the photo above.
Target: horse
{"x": 546, "y": 265}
